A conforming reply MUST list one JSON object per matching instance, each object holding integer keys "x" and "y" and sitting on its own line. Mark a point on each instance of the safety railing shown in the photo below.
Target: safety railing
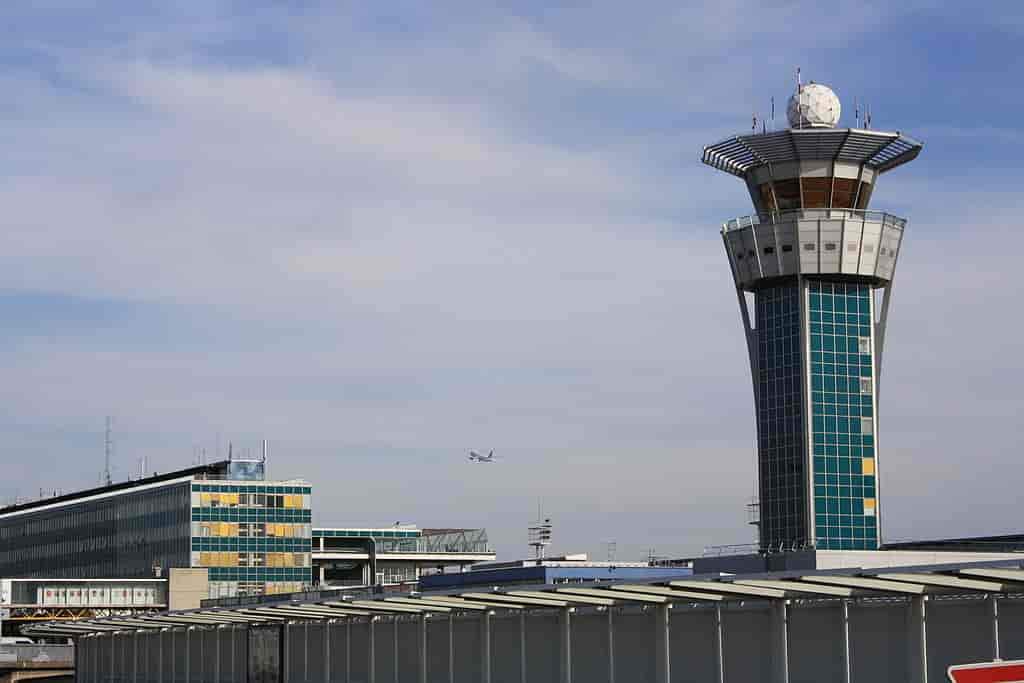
{"x": 815, "y": 214}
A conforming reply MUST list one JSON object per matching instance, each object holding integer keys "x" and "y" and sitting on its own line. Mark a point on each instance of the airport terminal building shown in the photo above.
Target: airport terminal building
{"x": 253, "y": 536}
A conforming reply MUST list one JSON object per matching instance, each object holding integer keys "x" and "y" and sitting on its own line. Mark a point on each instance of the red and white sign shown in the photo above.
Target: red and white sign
{"x": 988, "y": 672}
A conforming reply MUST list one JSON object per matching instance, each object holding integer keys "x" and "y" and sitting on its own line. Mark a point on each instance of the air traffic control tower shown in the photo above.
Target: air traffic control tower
{"x": 813, "y": 269}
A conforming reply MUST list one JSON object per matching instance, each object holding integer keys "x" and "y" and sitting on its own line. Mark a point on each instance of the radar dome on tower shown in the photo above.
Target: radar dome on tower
{"x": 813, "y": 106}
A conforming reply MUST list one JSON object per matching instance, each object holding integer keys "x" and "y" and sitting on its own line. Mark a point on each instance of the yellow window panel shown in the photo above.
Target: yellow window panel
{"x": 204, "y": 559}
{"x": 204, "y": 500}
{"x": 868, "y": 466}
{"x": 280, "y": 530}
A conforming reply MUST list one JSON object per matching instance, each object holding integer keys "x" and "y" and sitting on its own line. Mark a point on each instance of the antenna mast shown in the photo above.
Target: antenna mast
{"x": 540, "y": 537}
{"x": 108, "y": 449}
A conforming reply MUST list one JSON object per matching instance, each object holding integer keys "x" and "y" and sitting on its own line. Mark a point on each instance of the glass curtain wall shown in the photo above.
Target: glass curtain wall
{"x": 255, "y": 538}
{"x": 780, "y": 418}
{"x": 116, "y": 536}
{"x": 843, "y": 415}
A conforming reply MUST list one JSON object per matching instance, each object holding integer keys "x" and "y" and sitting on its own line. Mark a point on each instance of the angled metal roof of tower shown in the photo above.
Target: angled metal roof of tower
{"x": 875, "y": 149}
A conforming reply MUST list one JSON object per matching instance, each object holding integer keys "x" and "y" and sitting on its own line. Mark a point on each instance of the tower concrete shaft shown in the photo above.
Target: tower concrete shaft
{"x": 813, "y": 270}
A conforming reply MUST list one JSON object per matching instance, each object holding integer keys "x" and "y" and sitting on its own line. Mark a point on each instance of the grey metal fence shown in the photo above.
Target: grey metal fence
{"x": 783, "y": 641}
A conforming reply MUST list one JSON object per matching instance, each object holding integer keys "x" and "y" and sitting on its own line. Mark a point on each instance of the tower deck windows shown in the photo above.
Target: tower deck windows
{"x": 826, "y": 192}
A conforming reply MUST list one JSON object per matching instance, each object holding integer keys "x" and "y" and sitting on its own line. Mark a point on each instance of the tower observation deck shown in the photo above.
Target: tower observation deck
{"x": 813, "y": 270}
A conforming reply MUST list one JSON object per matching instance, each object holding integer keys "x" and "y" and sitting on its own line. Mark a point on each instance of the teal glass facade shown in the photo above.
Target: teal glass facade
{"x": 842, "y": 390}
{"x": 255, "y": 538}
{"x": 815, "y": 389}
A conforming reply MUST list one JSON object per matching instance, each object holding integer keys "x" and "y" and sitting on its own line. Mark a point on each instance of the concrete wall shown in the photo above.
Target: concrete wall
{"x": 186, "y": 588}
{"x": 876, "y": 640}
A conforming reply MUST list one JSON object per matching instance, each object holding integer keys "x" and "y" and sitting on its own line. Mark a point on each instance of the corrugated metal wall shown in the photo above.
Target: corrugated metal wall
{"x": 802, "y": 641}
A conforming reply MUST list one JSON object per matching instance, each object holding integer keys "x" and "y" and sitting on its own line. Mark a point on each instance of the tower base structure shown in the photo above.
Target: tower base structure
{"x": 813, "y": 288}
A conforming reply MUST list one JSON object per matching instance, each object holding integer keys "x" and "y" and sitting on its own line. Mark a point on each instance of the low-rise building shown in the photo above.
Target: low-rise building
{"x": 556, "y": 570}
{"x": 251, "y": 535}
{"x": 345, "y": 557}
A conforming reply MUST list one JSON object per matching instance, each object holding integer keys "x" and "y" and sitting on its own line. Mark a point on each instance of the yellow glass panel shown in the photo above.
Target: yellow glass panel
{"x": 204, "y": 500}
{"x": 225, "y": 529}
{"x": 289, "y": 561}
{"x": 868, "y": 466}
{"x": 869, "y": 503}
{"x": 280, "y": 530}
{"x": 204, "y": 559}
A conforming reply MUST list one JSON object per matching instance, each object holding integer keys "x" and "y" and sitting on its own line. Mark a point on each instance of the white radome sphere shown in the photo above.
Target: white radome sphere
{"x": 814, "y": 106}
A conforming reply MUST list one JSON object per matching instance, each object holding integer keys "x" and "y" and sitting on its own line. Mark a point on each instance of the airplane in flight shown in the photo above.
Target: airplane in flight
{"x": 476, "y": 457}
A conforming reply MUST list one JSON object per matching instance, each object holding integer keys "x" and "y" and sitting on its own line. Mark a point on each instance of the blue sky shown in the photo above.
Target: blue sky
{"x": 380, "y": 234}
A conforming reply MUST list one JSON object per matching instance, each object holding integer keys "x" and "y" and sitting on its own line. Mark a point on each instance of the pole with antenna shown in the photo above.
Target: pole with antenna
{"x": 799, "y": 99}
{"x": 108, "y": 449}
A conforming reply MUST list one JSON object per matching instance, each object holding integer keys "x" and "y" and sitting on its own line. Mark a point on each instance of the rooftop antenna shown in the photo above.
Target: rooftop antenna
{"x": 540, "y": 534}
{"x": 108, "y": 449}
{"x": 773, "y": 113}
{"x": 753, "y": 124}
{"x": 799, "y": 91}
{"x": 263, "y": 456}
{"x": 856, "y": 113}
